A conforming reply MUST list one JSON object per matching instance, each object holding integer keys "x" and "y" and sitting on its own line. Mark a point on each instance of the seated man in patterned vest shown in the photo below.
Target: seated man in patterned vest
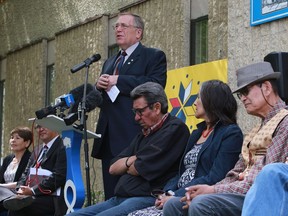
{"x": 265, "y": 144}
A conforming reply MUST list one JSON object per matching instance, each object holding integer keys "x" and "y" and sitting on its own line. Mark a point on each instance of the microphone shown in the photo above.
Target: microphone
{"x": 64, "y": 101}
{"x": 93, "y": 99}
{"x": 86, "y": 63}
{"x": 45, "y": 112}
{"x": 78, "y": 95}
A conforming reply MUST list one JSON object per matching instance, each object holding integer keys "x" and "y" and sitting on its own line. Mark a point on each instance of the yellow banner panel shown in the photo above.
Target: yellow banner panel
{"x": 183, "y": 85}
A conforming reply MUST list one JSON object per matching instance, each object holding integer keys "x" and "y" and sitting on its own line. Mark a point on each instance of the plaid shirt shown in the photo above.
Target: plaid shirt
{"x": 276, "y": 152}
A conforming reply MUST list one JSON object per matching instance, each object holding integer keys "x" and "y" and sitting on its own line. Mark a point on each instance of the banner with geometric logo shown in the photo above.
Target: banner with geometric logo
{"x": 183, "y": 85}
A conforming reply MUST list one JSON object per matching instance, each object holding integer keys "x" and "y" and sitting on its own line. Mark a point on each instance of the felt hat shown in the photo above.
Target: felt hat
{"x": 255, "y": 73}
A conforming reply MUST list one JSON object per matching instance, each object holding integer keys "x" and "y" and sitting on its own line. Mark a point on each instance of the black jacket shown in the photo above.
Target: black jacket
{"x": 21, "y": 168}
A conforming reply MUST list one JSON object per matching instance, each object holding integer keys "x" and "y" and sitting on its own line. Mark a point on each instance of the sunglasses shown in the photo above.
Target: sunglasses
{"x": 245, "y": 91}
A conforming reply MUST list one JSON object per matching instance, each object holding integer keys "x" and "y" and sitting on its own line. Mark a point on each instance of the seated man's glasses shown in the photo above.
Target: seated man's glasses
{"x": 139, "y": 111}
{"x": 245, "y": 91}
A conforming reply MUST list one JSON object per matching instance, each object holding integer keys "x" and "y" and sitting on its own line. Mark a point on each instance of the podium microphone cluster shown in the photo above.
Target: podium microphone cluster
{"x": 93, "y": 99}
{"x": 64, "y": 101}
{"x": 70, "y": 100}
{"x": 86, "y": 63}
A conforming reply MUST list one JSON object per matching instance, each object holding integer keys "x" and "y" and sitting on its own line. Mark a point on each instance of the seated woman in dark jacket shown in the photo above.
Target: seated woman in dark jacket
{"x": 14, "y": 164}
{"x": 213, "y": 148}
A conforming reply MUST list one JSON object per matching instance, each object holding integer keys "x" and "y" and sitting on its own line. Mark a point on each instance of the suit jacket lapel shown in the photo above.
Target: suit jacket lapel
{"x": 134, "y": 57}
{"x": 109, "y": 65}
{"x": 51, "y": 150}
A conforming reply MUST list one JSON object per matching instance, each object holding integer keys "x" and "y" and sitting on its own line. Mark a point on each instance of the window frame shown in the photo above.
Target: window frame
{"x": 193, "y": 42}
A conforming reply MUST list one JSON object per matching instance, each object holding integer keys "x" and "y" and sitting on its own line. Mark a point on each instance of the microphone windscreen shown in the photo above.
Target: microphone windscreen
{"x": 78, "y": 95}
{"x": 94, "y": 99}
{"x": 95, "y": 57}
{"x": 45, "y": 112}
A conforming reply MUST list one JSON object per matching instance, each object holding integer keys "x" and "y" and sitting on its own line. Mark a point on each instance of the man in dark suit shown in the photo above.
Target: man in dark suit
{"x": 116, "y": 121}
{"x": 37, "y": 196}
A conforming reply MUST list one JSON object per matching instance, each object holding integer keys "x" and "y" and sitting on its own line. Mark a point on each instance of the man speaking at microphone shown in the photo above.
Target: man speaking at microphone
{"x": 135, "y": 64}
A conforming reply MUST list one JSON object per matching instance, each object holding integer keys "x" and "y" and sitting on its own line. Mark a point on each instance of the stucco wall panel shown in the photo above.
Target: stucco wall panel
{"x": 24, "y": 87}
{"x": 217, "y": 30}
{"x": 23, "y": 22}
{"x": 164, "y": 29}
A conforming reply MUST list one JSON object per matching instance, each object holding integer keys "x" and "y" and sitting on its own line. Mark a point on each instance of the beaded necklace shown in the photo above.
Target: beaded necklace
{"x": 207, "y": 133}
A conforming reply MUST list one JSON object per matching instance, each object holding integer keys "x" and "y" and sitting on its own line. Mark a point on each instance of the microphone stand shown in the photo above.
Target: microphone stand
{"x": 86, "y": 147}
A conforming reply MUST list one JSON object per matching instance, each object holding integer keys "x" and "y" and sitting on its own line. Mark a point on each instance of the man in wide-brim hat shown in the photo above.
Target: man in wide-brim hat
{"x": 255, "y": 73}
{"x": 259, "y": 76}
{"x": 265, "y": 144}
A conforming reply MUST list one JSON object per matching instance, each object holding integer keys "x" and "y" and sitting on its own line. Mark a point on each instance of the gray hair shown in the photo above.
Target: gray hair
{"x": 152, "y": 92}
{"x": 138, "y": 21}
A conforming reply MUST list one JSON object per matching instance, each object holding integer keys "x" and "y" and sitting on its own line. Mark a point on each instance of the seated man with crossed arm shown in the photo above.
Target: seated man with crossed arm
{"x": 152, "y": 157}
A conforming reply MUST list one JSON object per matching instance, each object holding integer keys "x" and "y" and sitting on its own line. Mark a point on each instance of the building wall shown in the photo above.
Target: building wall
{"x": 23, "y": 86}
{"x": 23, "y": 22}
{"x": 165, "y": 21}
{"x": 218, "y": 29}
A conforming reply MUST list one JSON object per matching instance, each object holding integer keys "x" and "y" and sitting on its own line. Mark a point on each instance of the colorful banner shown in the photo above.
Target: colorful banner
{"x": 183, "y": 85}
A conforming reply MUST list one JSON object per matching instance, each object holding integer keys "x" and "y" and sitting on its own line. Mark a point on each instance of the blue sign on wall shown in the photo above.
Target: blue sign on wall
{"x": 267, "y": 10}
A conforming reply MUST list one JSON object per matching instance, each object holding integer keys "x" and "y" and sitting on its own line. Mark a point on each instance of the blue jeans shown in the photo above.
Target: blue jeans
{"x": 269, "y": 193}
{"x": 116, "y": 206}
{"x": 207, "y": 204}
{"x": 4, "y": 213}
{"x": 173, "y": 207}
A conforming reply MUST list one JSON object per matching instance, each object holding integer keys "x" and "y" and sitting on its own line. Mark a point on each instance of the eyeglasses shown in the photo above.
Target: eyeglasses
{"x": 140, "y": 111}
{"x": 245, "y": 91}
{"x": 123, "y": 26}
{"x": 38, "y": 127}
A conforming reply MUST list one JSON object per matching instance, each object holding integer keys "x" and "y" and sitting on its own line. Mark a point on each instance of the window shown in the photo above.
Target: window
{"x": 50, "y": 84}
{"x": 199, "y": 40}
{"x": 113, "y": 50}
